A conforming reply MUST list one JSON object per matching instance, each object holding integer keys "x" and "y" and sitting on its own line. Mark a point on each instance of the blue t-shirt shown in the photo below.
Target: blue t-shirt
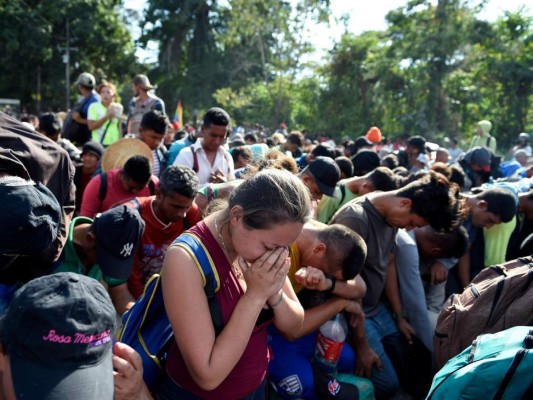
{"x": 93, "y": 98}
{"x": 176, "y": 147}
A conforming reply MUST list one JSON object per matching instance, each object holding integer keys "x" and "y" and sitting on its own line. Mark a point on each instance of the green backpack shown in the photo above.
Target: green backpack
{"x": 495, "y": 366}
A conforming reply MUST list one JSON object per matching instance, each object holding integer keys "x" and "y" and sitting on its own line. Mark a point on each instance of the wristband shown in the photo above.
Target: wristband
{"x": 277, "y": 303}
{"x": 402, "y": 315}
{"x": 333, "y": 283}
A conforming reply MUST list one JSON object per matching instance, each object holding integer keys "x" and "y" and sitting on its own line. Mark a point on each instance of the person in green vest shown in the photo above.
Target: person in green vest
{"x": 483, "y": 136}
{"x": 104, "y": 117}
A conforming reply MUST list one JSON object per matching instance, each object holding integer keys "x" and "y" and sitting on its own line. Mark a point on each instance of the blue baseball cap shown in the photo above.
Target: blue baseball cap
{"x": 118, "y": 232}
{"x": 30, "y": 216}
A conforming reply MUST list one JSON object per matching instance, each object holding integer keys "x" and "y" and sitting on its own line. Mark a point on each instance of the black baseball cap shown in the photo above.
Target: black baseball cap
{"x": 118, "y": 232}
{"x": 330, "y": 387}
{"x": 326, "y": 173}
{"x": 30, "y": 216}
{"x": 362, "y": 141}
{"x": 58, "y": 334}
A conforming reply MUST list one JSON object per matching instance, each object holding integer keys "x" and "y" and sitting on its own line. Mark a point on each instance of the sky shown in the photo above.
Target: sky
{"x": 364, "y": 16}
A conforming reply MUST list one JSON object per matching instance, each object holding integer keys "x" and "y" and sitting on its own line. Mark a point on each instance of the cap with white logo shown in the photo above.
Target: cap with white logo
{"x": 118, "y": 232}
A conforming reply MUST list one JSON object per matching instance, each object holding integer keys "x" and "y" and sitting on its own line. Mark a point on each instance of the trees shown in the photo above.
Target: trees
{"x": 32, "y": 33}
{"x": 435, "y": 71}
{"x": 221, "y": 51}
{"x": 191, "y": 63}
{"x": 504, "y": 74}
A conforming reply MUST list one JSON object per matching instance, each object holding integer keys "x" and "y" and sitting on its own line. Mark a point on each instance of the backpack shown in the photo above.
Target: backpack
{"x": 495, "y": 366}
{"x": 145, "y": 326}
{"x": 102, "y": 193}
{"x": 73, "y": 131}
{"x": 499, "y": 297}
{"x": 139, "y": 109}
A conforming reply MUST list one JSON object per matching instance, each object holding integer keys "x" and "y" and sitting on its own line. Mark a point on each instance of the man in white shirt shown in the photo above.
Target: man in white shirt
{"x": 207, "y": 157}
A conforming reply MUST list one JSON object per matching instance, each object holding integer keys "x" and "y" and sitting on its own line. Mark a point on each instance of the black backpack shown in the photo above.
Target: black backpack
{"x": 73, "y": 131}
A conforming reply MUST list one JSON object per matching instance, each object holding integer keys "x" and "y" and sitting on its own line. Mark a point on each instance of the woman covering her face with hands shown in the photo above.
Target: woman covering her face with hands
{"x": 247, "y": 239}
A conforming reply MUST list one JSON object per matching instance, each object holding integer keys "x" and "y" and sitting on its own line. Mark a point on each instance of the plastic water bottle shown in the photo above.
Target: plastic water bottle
{"x": 329, "y": 342}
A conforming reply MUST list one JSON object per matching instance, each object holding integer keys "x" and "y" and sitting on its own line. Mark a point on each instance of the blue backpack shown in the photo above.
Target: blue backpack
{"x": 145, "y": 326}
{"x": 496, "y": 366}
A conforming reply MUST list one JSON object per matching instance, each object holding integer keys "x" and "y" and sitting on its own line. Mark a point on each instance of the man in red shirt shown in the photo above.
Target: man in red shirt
{"x": 167, "y": 214}
{"x": 120, "y": 185}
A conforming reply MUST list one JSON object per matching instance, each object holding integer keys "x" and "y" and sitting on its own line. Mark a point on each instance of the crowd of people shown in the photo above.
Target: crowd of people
{"x": 298, "y": 229}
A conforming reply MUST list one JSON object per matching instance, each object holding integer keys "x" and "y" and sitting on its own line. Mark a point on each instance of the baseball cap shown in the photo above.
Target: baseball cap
{"x": 480, "y": 156}
{"x": 143, "y": 81}
{"x": 362, "y": 141}
{"x": 330, "y": 387}
{"x": 326, "y": 173}
{"x": 93, "y": 147}
{"x": 86, "y": 79}
{"x": 30, "y": 216}
{"x": 374, "y": 134}
{"x": 523, "y": 136}
{"x": 58, "y": 334}
{"x": 118, "y": 231}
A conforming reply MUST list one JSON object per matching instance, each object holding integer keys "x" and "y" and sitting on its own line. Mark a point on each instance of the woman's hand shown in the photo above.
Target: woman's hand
{"x": 266, "y": 275}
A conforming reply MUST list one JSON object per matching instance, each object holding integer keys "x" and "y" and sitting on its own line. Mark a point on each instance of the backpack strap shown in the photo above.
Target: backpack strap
{"x": 196, "y": 249}
{"x": 137, "y": 204}
{"x": 82, "y": 104}
{"x": 342, "y": 187}
{"x": 105, "y": 132}
{"x": 186, "y": 223}
{"x": 151, "y": 186}
{"x": 103, "y": 187}
{"x": 78, "y": 173}
{"x": 195, "y": 167}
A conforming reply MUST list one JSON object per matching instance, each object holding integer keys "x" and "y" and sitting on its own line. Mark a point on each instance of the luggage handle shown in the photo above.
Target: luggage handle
{"x": 528, "y": 340}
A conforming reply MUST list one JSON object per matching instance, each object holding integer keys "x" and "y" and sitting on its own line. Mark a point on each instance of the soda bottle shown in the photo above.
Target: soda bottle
{"x": 329, "y": 342}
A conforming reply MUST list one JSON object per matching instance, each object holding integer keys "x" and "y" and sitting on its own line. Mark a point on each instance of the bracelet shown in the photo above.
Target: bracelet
{"x": 333, "y": 283}
{"x": 401, "y": 315}
{"x": 277, "y": 303}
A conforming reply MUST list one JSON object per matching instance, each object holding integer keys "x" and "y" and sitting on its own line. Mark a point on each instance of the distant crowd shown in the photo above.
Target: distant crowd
{"x": 292, "y": 230}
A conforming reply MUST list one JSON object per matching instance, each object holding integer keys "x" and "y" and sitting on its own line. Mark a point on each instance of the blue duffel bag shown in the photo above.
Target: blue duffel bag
{"x": 495, "y": 366}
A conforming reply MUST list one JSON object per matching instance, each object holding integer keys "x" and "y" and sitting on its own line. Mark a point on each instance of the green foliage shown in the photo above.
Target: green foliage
{"x": 32, "y": 32}
{"x": 436, "y": 70}
{"x": 231, "y": 52}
